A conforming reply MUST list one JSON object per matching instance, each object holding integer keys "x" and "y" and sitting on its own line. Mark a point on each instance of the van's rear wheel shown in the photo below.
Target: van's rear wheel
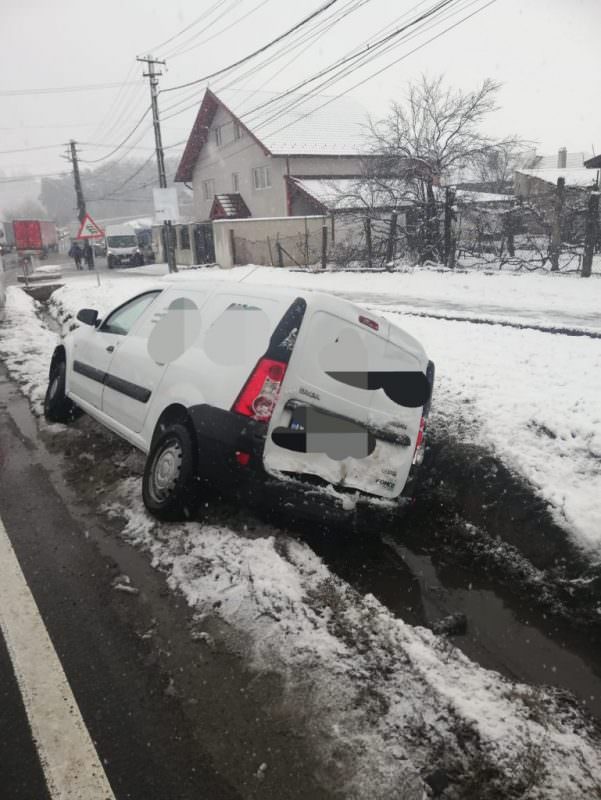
{"x": 169, "y": 475}
{"x": 57, "y": 406}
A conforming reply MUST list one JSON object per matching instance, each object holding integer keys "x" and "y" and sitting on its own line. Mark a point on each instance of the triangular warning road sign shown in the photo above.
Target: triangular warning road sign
{"x": 89, "y": 229}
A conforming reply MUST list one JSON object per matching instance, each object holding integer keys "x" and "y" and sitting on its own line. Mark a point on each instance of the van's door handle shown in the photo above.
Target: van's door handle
{"x": 110, "y": 348}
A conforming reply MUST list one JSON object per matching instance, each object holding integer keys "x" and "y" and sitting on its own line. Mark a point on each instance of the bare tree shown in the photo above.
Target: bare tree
{"x": 426, "y": 141}
{"x": 437, "y": 131}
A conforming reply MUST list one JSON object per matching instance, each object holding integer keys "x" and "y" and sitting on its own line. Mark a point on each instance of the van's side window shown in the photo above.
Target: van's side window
{"x": 123, "y": 319}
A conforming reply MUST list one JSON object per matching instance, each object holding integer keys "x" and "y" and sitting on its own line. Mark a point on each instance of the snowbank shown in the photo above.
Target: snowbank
{"x": 387, "y": 701}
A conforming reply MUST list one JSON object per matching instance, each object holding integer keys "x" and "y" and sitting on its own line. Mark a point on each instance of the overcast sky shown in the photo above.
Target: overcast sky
{"x": 546, "y": 53}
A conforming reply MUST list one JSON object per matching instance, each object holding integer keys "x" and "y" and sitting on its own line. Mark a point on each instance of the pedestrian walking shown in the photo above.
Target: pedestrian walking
{"x": 75, "y": 253}
{"x": 88, "y": 255}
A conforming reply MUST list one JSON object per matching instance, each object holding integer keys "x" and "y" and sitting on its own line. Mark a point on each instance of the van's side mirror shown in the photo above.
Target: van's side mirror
{"x": 88, "y": 316}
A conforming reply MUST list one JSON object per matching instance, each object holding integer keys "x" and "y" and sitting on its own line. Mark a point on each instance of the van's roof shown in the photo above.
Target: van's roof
{"x": 323, "y": 299}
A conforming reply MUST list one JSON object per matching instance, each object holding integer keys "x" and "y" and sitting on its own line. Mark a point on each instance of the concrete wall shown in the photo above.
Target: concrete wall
{"x": 255, "y": 240}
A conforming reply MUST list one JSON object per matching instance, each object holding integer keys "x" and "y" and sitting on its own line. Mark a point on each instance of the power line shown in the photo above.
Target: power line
{"x": 174, "y": 52}
{"x": 309, "y": 34}
{"x": 262, "y": 49}
{"x": 369, "y": 77}
{"x": 31, "y": 149}
{"x": 59, "y": 89}
{"x": 210, "y": 38}
{"x": 116, "y": 100}
{"x": 368, "y": 53}
{"x": 204, "y": 15}
{"x": 370, "y": 49}
{"x": 24, "y": 178}
{"x": 120, "y": 145}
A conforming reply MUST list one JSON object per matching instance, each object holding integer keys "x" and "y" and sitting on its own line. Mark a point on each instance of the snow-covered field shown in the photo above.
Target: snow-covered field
{"x": 387, "y": 702}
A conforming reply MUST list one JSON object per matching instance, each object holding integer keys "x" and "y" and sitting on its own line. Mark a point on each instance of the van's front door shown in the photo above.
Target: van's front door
{"x": 92, "y": 353}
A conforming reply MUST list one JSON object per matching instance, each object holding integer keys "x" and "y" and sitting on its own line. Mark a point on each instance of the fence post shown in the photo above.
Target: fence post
{"x": 591, "y": 232}
{"x": 306, "y": 244}
{"x": 324, "y": 246}
{"x": 278, "y": 247}
{"x": 391, "y": 237}
{"x": 449, "y": 250}
{"x": 368, "y": 241}
{"x": 233, "y": 246}
{"x": 555, "y": 248}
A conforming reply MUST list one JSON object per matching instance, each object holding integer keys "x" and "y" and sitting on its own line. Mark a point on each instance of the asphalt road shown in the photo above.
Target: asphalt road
{"x": 168, "y": 717}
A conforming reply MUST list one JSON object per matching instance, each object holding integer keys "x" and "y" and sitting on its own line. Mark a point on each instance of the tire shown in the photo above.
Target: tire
{"x": 170, "y": 475}
{"x": 57, "y": 406}
{"x": 110, "y": 263}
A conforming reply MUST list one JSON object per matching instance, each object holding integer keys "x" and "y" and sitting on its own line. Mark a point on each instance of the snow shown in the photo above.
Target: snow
{"x": 575, "y": 176}
{"x": 385, "y": 702}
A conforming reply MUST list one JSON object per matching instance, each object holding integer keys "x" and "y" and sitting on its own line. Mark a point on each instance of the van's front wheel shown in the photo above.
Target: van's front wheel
{"x": 57, "y": 406}
{"x": 169, "y": 475}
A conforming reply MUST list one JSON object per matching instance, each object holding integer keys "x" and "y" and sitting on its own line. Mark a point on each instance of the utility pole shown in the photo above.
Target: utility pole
{"x": 153, "y": 77}
{"x": 81, "y": 203}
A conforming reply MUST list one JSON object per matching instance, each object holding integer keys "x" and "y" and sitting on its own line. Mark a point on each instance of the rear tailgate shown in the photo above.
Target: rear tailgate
{"x": 357, "y": 437}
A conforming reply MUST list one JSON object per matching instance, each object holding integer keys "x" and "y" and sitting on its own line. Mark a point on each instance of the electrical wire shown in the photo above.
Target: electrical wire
{"x": 219, "y": 32}
{"x": 369, "y": 77}
{"x": 120, "y": 145}
{"x": 59, "y": 89}
{"x": 369, "y": 53}
{"x": 24, "y": 178}
{"x": 176, "y": 52}
{"x": 187, "y": 28}
{"x": 262, "y": 49}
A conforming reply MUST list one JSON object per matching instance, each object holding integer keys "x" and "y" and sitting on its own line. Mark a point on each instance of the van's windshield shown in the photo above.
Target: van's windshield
{"x": 122, "y": 241}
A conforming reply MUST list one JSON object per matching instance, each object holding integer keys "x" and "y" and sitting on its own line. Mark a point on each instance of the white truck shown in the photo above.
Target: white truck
{"x": 122, "y": 247}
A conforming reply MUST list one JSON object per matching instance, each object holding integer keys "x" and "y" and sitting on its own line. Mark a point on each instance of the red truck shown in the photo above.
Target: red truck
{"x": 35, "y": 235}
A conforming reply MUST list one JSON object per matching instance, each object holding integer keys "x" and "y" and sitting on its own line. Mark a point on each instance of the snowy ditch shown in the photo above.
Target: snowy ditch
{"x": 395, "y": 700}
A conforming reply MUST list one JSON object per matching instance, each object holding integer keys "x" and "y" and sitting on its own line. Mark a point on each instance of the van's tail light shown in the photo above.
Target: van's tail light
{"x": 420, "y": 444}
{"x": 260, "y": 392}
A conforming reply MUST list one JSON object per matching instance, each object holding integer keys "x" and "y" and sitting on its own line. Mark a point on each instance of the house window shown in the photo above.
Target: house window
{"x": 235, "y": 182}
{"x": 219, "y": 135}
{"x": 237, "y": 131}
{"x": 184, "y": 238}
{"x": 261, "y": 178}
{"x": 208, "y": 189}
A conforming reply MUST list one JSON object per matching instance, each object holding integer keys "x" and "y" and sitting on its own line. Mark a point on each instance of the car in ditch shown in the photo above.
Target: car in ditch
{"x": 217, "y": 381}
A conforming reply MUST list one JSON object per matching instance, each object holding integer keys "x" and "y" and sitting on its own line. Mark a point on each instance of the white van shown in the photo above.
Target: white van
{"x": 122, "y": 247}
{"x": 219, "y": 380}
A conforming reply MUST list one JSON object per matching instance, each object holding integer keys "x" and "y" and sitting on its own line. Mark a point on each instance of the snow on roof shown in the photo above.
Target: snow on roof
{"x": 350, "y": 193}
{"x": 469, "y": 196}
{"x": 301, "y": 125}
{"x": 573, "y": 177}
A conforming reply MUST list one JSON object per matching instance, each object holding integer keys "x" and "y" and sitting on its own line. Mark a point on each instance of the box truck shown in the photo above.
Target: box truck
{"x": 35, "y": 235}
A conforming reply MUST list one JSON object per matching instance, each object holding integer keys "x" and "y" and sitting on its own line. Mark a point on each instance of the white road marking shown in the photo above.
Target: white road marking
{"x": 70, "y": 762}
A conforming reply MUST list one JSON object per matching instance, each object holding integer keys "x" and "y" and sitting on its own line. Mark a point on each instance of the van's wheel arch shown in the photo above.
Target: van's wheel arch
{"x": 170, "y": 473}
{"x": 57, "y": 406}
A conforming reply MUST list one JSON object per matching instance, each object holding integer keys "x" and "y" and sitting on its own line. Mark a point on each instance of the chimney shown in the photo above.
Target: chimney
{"x": 562, "y": 158}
